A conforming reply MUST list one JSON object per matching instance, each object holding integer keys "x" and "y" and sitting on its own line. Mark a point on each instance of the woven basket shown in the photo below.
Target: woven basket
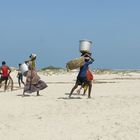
{"x": 75, "y": 63}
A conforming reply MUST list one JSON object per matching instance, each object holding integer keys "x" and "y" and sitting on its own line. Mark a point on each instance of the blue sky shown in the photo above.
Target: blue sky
{"x": 52, "y": 29}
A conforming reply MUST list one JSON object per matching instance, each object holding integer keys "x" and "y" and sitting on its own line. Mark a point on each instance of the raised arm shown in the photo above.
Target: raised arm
{"x": 88, "y": 55}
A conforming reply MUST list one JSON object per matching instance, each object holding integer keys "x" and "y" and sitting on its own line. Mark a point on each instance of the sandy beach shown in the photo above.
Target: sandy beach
{"x": 113, "y": 112}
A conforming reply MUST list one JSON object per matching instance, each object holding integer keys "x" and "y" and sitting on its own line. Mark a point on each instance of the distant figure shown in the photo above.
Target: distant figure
{"x": 4, "y": 71}
{"x": 33, "y": 81}
{"x": 82, "y": 76}
{"x": 20, "y": 77}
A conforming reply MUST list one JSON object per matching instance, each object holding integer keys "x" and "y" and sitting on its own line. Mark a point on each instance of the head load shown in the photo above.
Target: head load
{"x": 85, "y": 46}
{"x": 32, "y": 56}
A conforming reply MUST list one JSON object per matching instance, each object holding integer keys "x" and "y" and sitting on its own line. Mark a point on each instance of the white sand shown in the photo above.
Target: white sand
{"x": 113, "y": 112}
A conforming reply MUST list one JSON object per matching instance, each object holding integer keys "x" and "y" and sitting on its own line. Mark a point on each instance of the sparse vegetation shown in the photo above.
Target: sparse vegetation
{"x": 51, "y": 68}
{"x": 110, "y": 71}
{"x": 57, "y": 70}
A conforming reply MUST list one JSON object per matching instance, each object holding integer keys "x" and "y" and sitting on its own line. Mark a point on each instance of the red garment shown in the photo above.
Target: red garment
{"x": 89, "y": 75}
{"x": 4, "y": 70}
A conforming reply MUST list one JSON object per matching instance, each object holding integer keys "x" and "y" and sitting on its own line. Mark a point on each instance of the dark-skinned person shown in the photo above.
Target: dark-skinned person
{"x": 82, "y": 77}
{"x": 4, "y": 71}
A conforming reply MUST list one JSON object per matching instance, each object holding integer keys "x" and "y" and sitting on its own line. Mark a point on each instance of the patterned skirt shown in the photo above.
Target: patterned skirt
{"x": 29, "y": 88}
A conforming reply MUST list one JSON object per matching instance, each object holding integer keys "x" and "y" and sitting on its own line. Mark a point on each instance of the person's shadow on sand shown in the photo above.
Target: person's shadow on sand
{"x": 69, "y": 98}
{"x": 72, "y": 93}
{"x": 27, "y": 95}
{"x": 21, "y": 95}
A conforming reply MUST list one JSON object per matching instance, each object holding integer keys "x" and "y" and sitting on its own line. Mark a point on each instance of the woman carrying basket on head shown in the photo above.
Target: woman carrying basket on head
{"x": 82, "y": 78}
{"x": 89, "y": 76}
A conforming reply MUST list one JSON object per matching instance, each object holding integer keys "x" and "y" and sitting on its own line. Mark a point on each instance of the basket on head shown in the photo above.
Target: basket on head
{"x": 33, "y": 56}
{"x": 85, "y": 46}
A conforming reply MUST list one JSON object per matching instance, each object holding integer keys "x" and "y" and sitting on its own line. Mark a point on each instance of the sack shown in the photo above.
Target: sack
{"x": 75, "y": 63}
{"x": 89, "y": 75}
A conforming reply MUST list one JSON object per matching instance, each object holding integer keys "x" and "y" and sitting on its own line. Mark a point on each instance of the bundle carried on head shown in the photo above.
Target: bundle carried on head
{"x": 75, "y": 63}
{"x": 32, "y": 56}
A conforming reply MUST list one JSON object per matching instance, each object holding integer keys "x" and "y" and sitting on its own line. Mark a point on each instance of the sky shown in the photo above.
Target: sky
{"x": 52, "y": 30}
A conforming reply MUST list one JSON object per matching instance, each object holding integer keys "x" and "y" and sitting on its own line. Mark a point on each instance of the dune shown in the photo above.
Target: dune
{"x": 111, "y": 114}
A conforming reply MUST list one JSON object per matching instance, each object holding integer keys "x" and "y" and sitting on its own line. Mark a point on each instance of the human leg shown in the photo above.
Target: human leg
{"x": 38, "y": 93}
{"x": 23, "y": 92}
{"x": 89, "y": 90}
{"x": 19, "y": 82}
{"x": 1, "y": 82}
{"x": 5, "y": 84}
{"x": 79, "y": 90}
{"x": 85, "y": 89}
{"x": 78, "y": 82}
{"x": 72, "y": 90}
{"x": 22, "y": 80}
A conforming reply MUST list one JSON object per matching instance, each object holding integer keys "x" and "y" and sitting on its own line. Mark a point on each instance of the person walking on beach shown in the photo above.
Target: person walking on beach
{"x": 4, "y": 71}
{"x": 82, "y": 76}
{"x": 33, "y": 81}
{"x": 20, "y": 77}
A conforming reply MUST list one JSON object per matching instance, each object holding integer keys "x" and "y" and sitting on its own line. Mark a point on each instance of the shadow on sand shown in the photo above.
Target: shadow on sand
{"x": 67, "y": 98}
{"x": 21, "y": 95}
{"x": 27, "y": 95}
{"x": 72, "y": 93}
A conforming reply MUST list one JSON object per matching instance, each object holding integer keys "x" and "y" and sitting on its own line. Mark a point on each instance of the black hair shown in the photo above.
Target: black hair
{"x": 86, "y": 60}
{"x": 3, "y": 62}
{"x": 83, "y": 53}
